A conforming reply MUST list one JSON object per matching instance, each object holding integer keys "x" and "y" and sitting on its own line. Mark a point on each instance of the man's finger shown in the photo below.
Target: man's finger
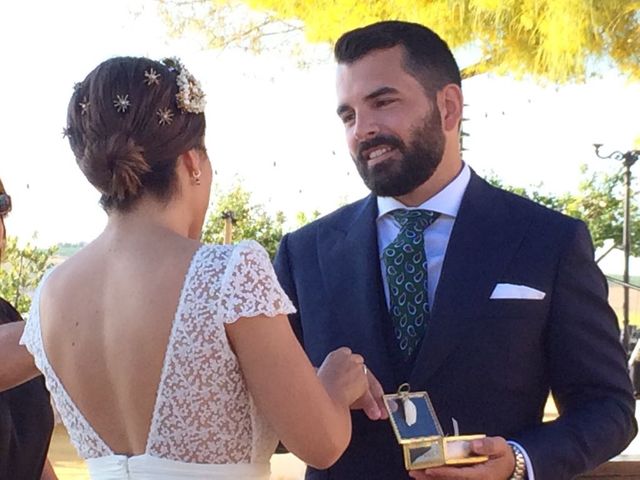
{"x": 370, "y": 407}
{"x": 418, "y": 475}
{"x": 490, "y": 446}
{"x": 445, "y": 473}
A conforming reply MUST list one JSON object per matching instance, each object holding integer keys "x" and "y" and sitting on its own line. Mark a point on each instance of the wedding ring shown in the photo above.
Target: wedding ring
{"x": 364, "y": 367}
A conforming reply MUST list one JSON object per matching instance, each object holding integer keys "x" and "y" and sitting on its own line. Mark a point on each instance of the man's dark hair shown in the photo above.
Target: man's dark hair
{"x": 427, "y": 57}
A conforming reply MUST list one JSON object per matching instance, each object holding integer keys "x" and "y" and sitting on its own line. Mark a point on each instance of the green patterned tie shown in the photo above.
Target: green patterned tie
{"x": 406, "y": 269}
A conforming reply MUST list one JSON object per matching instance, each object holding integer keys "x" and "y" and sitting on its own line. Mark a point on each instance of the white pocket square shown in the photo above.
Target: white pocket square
{"x": 511, "y": 291}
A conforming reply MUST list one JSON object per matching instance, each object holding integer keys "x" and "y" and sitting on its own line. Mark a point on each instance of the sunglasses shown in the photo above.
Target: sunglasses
{"x": 5, "y": 204}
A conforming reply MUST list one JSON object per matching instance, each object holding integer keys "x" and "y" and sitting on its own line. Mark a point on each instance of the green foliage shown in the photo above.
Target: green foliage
{"x": 251, "y": 221}
{"x": 68, "y": 249}
{"x": 303, "y": 218}
{"x": 22, "y": 269}
{"x": 598, "y": 202}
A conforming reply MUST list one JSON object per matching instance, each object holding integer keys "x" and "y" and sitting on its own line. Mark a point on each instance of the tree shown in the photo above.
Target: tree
{"x": 230, "y": 23}
{"x": 555, "y": 40}
{"x": 303, "y": 218}
{"x": 22, "y": 269}
{"x": 251, "y": 221}
{"x": 598, "y": 203}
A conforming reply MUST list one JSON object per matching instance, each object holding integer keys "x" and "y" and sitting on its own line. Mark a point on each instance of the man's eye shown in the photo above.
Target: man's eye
{"x": 347, "y": 118}
{"x": 382, "y": 102}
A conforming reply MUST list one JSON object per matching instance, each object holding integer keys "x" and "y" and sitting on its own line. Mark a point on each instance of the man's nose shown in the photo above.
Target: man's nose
{"x": 365, "y": 129}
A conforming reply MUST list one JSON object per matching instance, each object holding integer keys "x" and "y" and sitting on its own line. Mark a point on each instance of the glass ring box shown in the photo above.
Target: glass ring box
{"x": 419, "y": 433}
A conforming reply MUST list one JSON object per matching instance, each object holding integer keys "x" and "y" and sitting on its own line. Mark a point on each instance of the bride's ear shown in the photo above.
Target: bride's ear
{"x": 192, "y": 163}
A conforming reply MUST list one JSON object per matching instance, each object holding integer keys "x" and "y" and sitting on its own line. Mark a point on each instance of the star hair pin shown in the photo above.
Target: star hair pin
{"x": 151, "y": 77}
{"x": 66, "y": 132}
{"x": 84, "y": 105}
{"x": 165, "y": 116}
{"x": 122, "y": 103}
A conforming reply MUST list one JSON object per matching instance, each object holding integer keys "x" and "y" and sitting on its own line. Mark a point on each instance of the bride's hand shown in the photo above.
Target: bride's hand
{"x": 344, "y": 376}
{"x": 371, "y": 402}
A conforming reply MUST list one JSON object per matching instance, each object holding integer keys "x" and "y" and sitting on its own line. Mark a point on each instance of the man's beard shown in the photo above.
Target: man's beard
{"x": 397, "y": 177}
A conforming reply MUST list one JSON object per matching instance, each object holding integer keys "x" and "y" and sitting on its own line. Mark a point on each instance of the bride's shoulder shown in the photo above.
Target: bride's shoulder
{"x": 250, "y": 249}
{"x": 243, "y": 251}
{"x": 245, "y": 258}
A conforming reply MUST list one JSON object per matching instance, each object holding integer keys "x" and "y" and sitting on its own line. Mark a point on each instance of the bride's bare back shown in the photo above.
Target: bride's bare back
{"x": 108, "y": 314}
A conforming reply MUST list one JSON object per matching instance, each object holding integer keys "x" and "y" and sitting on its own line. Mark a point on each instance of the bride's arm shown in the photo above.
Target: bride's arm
{"x": 16, "y": 363}
{"x": 310, "y": 416}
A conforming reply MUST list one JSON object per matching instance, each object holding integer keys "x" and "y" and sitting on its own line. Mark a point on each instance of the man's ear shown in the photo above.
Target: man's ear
{"x": 450, "y": 102}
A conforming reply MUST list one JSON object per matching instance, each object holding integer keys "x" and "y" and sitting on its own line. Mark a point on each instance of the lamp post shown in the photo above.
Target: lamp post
{"x": 229, "y": 221}
{"x": 627, "y": 158}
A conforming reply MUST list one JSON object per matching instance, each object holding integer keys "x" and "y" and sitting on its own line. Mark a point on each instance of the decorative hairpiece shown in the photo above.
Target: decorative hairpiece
{"x": 151, "y": 77}
{"x": 190, "y": 97}
{"x": 122, "y": 103}
{"x": 165, "y": 116}
{"x": 84, "y": 105}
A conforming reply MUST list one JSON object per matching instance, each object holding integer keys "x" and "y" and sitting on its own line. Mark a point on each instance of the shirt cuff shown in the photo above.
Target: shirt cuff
{"x": 527, "y": 460}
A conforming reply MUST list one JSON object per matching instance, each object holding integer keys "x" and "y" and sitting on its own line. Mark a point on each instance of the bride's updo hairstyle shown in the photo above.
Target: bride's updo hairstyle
{"x": 128, "y": 122}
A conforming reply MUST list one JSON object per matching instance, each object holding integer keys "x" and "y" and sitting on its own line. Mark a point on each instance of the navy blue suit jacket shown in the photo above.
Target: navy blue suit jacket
{"x": 487, "y": 363}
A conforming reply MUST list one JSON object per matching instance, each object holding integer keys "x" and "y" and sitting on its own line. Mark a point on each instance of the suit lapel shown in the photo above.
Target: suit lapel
{"x": 349, "y": 262}
{"x": 484, "y": 238}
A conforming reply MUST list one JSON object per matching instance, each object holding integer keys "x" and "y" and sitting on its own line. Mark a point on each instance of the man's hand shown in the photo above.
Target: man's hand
{"x": 499, "y": 467}
{"x": 371, "y": 402}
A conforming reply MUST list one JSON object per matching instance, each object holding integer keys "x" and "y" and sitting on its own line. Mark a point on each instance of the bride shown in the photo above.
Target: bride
{"x": 167, "y": 358}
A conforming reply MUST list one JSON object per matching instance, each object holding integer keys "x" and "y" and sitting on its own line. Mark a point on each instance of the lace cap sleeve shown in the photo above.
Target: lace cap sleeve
{"x": 31, "y": 335}
{"x": 250, "y": 287}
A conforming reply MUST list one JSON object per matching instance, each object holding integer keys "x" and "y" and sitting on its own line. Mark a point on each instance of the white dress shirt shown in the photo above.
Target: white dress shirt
{"x": 436, "y": 236}
{"x": 436, "y": 239}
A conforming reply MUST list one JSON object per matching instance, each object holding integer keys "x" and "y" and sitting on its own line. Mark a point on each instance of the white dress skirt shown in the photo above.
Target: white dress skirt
{"x": 146, "y": 467}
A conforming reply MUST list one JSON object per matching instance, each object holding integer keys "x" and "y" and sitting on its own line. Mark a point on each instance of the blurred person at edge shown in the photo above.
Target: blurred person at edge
{"x": 26, "y": 417}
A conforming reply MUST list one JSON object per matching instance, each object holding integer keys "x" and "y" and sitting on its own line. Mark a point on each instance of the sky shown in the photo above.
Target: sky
{"x": 271, "y": 125}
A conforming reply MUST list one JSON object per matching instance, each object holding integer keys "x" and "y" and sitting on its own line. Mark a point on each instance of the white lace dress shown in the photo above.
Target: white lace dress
{"x": 205, "y": 424}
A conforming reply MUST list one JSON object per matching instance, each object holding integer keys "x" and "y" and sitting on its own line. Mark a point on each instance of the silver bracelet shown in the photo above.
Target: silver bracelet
{"x": 520, "y": 469}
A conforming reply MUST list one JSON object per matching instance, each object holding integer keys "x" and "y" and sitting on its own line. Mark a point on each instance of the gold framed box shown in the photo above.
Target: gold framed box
{"x": 418, "y": 431}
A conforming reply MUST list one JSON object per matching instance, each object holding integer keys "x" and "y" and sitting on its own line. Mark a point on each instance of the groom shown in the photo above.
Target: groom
{"x": 483, "y": 298}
